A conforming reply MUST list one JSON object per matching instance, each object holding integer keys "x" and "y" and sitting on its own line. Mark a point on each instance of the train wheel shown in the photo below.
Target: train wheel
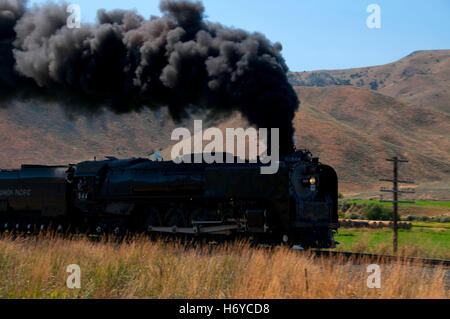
{"x": 176, "y": 217}
{"x": 152, "y": 219}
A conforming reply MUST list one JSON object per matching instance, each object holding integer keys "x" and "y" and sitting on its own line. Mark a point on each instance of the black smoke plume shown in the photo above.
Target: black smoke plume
{"x": 126, "y": 62}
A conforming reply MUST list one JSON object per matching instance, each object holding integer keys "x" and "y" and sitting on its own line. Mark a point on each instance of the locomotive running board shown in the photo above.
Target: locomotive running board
{"x": 194, "y": 231}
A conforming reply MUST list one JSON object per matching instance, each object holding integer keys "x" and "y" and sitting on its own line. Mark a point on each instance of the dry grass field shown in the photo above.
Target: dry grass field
{"x": 36, "y": 268}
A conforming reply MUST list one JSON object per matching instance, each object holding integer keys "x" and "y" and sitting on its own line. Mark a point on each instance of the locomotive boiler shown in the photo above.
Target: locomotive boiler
{"x": 297, "y": 205}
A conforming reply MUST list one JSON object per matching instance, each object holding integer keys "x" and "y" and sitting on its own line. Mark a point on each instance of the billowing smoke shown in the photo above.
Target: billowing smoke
{"x": 126, "y": 62}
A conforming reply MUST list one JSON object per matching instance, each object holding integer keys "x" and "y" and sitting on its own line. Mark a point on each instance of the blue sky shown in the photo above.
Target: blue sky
{"x": 325, "y": 34}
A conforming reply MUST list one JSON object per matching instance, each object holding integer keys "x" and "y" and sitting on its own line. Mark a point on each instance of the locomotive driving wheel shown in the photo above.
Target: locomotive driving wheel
{"x": 153, "y": 219}
{"x": 176, "y": 216}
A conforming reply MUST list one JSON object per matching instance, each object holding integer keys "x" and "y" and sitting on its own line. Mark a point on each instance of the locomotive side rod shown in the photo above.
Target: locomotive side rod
{"x": 195, "y": 230}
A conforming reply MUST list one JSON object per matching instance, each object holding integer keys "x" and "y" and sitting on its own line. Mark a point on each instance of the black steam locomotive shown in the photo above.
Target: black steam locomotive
{"x": 297, "y": 205}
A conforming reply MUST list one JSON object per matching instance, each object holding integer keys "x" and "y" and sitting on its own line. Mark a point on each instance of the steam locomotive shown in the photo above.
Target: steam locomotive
{"x": 297, "y": 205}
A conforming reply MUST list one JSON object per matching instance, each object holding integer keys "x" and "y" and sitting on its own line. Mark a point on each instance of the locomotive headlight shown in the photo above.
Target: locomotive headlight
{"x": 312, "y": 181}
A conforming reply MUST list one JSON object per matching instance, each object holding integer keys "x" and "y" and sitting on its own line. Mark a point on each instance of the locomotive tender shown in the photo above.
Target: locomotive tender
{"x": 297, "y": 205}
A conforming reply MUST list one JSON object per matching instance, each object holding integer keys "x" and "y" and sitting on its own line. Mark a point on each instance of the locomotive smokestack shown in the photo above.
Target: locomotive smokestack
{"x": 126, "y": 63}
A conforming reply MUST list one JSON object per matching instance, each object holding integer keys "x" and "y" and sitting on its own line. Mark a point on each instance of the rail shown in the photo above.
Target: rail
{"x": 381, "y": 258}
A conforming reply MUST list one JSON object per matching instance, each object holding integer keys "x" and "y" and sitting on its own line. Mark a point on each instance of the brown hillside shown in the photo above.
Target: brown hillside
{"x": 45, "y": 135}
{"x": 421, "y": 78}
{"x": 356, "y": 130}
{"x": 352, "y": 129}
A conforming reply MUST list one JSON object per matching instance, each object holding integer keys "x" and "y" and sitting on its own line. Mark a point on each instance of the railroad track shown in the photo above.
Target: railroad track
{"x": 360, "y": 257}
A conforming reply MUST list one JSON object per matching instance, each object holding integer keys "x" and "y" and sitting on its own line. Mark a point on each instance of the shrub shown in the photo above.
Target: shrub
{"x": 354, "y": 216}
{"x": 378, "y": 212}
{"x": 341, "y": 214}
{"x": 442, "y": 219}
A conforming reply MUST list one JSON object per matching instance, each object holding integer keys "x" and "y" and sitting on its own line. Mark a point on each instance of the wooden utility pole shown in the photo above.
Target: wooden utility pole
{"x": 395, "y": 191}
